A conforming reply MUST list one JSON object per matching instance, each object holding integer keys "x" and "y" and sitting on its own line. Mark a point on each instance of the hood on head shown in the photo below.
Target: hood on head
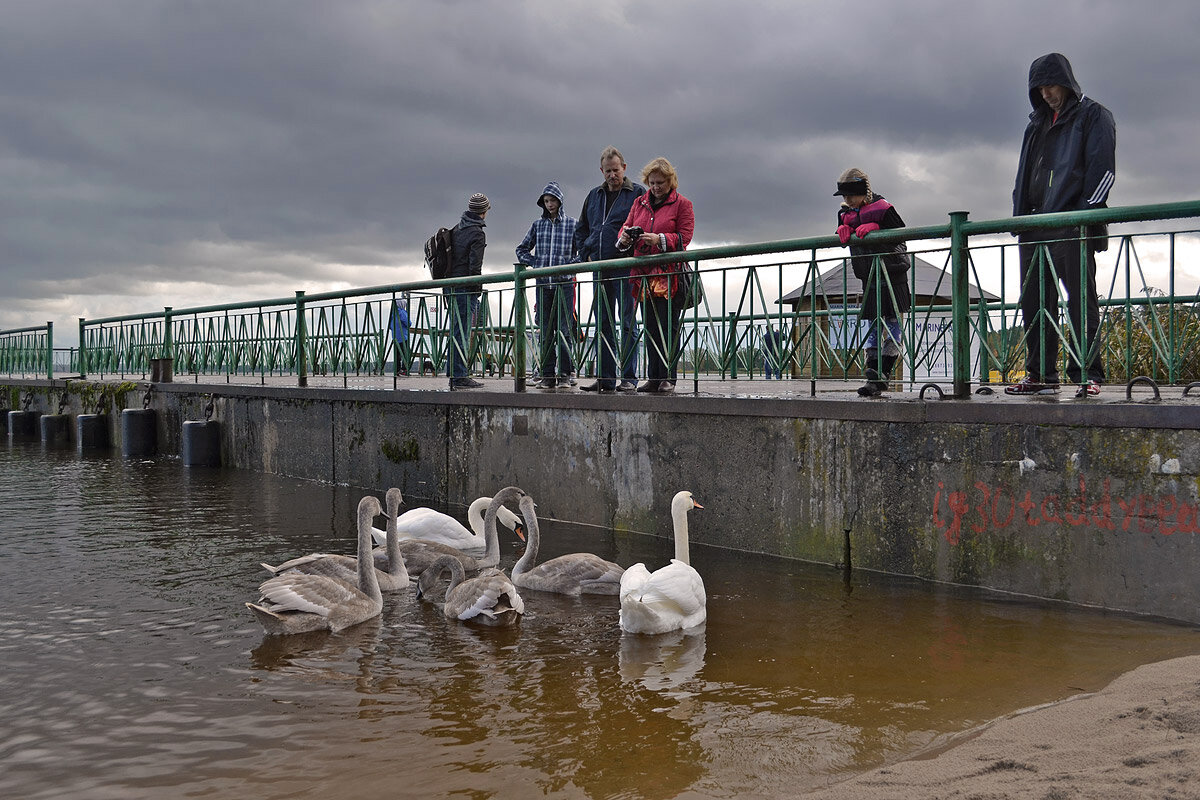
{"x": 1052, "y": 69}
{"x": 552, "y": 190}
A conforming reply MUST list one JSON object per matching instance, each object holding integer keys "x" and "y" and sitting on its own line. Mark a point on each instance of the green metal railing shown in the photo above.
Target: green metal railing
{"x": 954, "y": 333}
{"x": 28, "y": 352}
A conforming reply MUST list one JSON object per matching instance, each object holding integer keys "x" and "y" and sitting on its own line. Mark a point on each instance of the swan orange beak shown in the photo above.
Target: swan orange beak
{"x": 696, "y": 505}
{"x": 520, "y": 531}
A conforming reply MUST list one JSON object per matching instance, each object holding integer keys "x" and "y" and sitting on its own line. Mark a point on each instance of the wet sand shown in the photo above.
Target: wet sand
{"x": 1139, "y": 737}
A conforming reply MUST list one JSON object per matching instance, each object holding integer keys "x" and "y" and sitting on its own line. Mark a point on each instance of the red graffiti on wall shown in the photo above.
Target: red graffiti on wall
{"x": 994, "y": 508}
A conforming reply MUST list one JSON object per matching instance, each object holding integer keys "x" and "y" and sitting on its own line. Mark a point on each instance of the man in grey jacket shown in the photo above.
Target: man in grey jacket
{"x": 1068, "y": 163}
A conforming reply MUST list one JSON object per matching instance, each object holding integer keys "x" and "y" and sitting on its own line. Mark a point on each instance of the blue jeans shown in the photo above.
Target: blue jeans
{"x": 556, "y": 326}
{"x": 615, "y": 305}
{"x": 462, "y": 307}
{"x": 890, "y": 349}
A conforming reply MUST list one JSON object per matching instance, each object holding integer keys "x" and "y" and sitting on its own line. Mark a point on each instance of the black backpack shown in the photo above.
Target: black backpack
{"x": 439, "y": 252}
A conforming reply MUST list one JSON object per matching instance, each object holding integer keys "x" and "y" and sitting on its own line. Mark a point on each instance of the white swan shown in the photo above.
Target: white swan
{"x": 430, "y": 525}
{"x": 671, "y": 598}
{"x": 419, "y": 553}
{"x": 296, "y": 602}
{"x": 389, "y": 563}
{"x": 568, "y": 574}
{"x": 487, "y": 599}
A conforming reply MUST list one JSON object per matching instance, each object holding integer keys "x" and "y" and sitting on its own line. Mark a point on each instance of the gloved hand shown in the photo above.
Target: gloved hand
{"x": 843, "y": 232}
{"x": 865, "y": 228}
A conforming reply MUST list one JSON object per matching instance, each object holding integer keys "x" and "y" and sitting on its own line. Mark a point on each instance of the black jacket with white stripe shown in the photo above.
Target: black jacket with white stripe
{"x": 1067, "y": 163}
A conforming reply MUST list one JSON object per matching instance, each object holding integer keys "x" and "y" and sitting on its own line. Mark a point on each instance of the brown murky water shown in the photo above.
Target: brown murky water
{"x": 132, "y": 670}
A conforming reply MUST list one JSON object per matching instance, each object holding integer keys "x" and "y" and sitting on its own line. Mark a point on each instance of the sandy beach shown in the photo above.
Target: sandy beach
{"x": 1139, "y": 737}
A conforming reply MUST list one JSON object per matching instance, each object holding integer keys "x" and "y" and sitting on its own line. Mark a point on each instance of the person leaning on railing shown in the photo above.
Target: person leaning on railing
{"x": 1068, "y": 163}
{"x": 885, "y": 294}
{"x": 663, "y": 221}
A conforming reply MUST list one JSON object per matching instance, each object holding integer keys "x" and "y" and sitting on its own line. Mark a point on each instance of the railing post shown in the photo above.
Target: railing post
{"x": 519, "y": 328}
{"x": 301, "y": 342}
{"x": 82, "y": 350}
{"x": 960, "y": 300}
{"x": 49, "y": 351}
{"x": 168, "y": 343}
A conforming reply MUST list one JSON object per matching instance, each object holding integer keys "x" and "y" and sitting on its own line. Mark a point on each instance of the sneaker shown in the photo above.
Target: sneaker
{"x": 648, "y": 386}
{"x": 570, "y": 379}
{"x": 1089, "y": 389}
{"x": 465, "y": 383}
{"x": 665, "y": 387}
{"x": 597, "y": 386}
{"x": 1028, "y": 386}
{"x": 627, "y": 386}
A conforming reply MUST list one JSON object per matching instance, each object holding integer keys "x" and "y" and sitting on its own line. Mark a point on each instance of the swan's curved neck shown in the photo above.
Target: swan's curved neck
{"x": 533, "y": 539}
{"x": 368, "y": 582}
{"x": 475, "y": 514}
{"x": 491, "y": 556}
{"x": 396, "y": 566}
{"x": 679, "y": 519}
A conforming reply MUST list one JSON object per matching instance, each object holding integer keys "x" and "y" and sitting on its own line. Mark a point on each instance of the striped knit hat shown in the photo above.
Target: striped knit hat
{"x": 479, "y": 203}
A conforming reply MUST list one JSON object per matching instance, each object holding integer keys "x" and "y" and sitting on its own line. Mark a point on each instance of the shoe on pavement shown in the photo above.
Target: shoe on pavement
{"x": 1089, "y": 389}
{"x": 649, "y": 386}
{"x": 465, "y": 383}
{"x": 1028, "y": 386}
{"x": 870, "y": 389}
{"x": 627, "y": 386}
{"x": 665, "y": 387}
{"x": 598, "y": 386}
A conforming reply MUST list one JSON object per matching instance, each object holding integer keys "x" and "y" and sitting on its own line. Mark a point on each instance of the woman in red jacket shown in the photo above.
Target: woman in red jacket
{"x": 661, "y": 221}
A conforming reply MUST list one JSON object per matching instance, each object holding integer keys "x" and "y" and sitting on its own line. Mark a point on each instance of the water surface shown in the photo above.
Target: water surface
{"x": 132, "y": 669}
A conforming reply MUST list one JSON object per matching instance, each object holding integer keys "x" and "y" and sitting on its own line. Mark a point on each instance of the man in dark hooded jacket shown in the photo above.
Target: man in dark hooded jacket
{"x": 1068, "y": 163}
{"x": 469, "y": 241}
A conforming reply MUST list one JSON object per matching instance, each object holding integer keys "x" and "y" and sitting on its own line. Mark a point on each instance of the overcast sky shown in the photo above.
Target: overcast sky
{"x": 201, "y": 151}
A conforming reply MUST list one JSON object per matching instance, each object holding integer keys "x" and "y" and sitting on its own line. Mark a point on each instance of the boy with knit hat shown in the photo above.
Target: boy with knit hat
{"x": 463, "y": 301}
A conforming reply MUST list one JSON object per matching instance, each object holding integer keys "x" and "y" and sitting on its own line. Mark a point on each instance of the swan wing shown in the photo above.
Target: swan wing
{"x": 438, "y": 527}
{"x": 487, "y": 594}
{"x": 667, "y": 599}
{"x": 572, "y": 574}
{"x": 298, "y": 563}
{"x": 315, "y": 594}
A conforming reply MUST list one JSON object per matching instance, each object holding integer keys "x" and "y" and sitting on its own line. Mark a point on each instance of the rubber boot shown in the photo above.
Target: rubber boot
{"x": 889, "y": 363}
{"x": 874, "y": 386}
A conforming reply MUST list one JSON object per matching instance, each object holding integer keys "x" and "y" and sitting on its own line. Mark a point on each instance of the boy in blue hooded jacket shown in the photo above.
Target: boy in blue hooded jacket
{"x": 550, "y": 242}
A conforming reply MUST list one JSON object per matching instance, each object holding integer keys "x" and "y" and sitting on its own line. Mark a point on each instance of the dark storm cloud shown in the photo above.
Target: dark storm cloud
{"x": 234, "y": 147}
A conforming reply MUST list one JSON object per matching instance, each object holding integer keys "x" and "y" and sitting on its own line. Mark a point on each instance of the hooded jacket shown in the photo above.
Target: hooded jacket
{"x": 469, "y": 240}
{"x": 1067, "y": 163}
{"x": 550, "y": 241}
{"x": 599, "y": 223}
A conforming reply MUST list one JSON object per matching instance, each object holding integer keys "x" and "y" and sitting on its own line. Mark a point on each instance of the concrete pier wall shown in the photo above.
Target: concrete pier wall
{"x": 1087, "y": 503}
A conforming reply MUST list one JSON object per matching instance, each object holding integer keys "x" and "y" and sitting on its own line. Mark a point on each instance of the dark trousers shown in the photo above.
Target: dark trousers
{"x": 556, "y": 326}
{"x": 462, "y": 308}
{"x": 1039, "y": 306}
{"x": 661, "y": 320}
{"x": 616, "y": 307}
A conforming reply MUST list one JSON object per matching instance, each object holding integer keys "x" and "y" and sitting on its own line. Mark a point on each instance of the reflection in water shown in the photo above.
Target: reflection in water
{"x": 133, "y": 671}
{"x": 662, "y": 662}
